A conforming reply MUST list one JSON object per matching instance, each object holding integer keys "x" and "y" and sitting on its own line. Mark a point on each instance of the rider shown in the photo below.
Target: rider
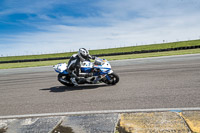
{"x": 74, "y": 64}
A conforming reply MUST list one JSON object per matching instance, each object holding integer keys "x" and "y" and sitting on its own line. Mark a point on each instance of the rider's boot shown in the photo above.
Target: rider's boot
{"x": 73, "y": 80}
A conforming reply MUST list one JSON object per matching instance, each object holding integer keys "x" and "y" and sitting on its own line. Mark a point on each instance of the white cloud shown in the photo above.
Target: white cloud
{"x": 60, "y": 38}
{"x": 119, "y": 23}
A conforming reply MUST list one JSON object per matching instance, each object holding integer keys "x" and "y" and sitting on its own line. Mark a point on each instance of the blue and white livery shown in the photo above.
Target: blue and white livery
{"x": 101, "y": 72}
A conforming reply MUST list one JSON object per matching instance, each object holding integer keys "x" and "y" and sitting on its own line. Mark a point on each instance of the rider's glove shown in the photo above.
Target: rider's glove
{"x": 93, "y": 57}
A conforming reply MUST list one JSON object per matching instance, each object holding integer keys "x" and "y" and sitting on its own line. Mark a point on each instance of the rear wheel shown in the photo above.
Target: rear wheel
{"x": 114, "y": 79}
{"x": 64, "y": 79}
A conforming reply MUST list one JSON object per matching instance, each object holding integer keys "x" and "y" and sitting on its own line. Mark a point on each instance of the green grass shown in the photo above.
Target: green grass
{"x": 10, "y": 58}
{"x": 157, "y": 54}
{"x": 148, "y": 47}
{"x": 121, "y": 57}
{"x": 30, "y": 64}
{"x": 111, "y": 50}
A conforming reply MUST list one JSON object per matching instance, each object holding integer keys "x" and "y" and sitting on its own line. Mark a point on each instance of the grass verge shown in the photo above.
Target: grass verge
{"x": 111, "y": 50}
{"x": 120, "y": 57}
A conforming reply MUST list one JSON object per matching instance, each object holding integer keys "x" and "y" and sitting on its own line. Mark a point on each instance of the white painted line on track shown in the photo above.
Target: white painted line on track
{"x": 100, "y": 112}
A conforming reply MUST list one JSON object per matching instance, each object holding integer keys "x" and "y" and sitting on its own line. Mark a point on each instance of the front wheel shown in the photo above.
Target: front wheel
{"x": 114, "y": 79}
{"x": 64, "y": 79}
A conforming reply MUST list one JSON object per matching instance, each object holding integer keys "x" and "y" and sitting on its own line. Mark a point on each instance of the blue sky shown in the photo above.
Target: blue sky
{"x": 51, "y": 26}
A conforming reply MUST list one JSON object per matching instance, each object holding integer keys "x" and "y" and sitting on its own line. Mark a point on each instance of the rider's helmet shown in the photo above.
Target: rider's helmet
{"x": 83, "y": 54}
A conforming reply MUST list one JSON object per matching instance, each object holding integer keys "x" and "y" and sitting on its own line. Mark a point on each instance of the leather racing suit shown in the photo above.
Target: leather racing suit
{"x": 73, "y": 68}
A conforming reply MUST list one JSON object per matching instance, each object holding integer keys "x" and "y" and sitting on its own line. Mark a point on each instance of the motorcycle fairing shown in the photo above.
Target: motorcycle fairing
{"x": 61, "y": 68}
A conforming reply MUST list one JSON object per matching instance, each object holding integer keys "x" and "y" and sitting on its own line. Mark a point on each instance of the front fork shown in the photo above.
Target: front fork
{"x": 104, "y": 75}
{"x": 107, "y": 75}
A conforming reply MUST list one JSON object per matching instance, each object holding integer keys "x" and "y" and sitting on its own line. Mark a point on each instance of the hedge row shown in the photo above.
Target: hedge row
{"x": 110, "y": 54}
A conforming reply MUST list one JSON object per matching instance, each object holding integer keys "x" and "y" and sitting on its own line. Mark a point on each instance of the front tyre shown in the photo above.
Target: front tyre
{"x": 114, "y": 79}
{"x": 64, "y": 79}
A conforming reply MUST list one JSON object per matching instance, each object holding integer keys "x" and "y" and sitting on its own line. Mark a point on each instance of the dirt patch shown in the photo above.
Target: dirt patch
{"x": 62, "y": 129}
{"x": 3, "y": 130}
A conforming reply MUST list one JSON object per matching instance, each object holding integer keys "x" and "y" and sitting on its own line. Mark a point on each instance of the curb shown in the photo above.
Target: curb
{"x": 139, "y": 121}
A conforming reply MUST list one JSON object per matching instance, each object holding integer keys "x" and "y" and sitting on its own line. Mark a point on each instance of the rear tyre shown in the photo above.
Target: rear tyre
{"x": 64, "y": 79}
{"x": 114, "y": 79}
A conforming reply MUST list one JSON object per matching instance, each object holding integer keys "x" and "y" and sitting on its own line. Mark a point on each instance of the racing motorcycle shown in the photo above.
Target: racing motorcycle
{"x": 99, "y": 71}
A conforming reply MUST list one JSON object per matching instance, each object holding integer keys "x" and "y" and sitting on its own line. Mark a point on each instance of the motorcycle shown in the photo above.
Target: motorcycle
{"x": 100, "y": 71}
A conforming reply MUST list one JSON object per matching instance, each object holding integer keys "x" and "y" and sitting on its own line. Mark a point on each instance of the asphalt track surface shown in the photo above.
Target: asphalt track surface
{"x": 151, "y": 83}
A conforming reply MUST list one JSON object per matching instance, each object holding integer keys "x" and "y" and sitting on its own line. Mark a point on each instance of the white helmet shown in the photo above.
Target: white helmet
{"x": 83, "y": 54}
